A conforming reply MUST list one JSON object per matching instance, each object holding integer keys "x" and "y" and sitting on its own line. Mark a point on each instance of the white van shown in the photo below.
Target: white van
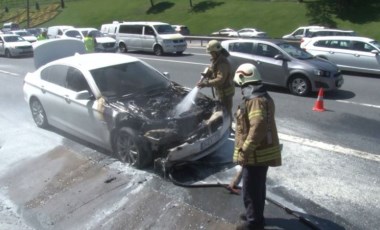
{"x": 57, "y": 31}
{"x": 157, "y": 37}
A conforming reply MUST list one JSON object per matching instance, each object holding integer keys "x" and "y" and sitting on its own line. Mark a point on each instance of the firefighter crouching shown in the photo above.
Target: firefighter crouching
{"x": 219, "y": 75}
{"x": 256, "y": 143}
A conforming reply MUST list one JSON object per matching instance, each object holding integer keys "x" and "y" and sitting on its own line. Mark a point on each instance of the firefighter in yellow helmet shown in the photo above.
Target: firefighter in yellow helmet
{"x": 256, "y": 143}
{"x": 220, "y": 75}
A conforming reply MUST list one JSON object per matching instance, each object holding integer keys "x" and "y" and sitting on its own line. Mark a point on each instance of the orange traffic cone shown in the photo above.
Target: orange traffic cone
{"x": 318, "y": 106}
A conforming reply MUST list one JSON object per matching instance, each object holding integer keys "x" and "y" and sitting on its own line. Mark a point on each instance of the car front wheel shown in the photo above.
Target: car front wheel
{"x": 8, "y": 54}
{"x": 299, "y": 86}
{"x": 158, "y": 50}
{"x": 122, "y": 48}
{"x": 38, "y": 113}
{"x": 130, "y": 149}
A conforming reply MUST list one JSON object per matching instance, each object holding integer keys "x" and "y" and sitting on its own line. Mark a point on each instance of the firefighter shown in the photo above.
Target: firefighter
{"x": 42, "y": 36}
{"x": 89, "y": 43}
{"x": 220, "y": 75}
{"x": 256, "y": 143}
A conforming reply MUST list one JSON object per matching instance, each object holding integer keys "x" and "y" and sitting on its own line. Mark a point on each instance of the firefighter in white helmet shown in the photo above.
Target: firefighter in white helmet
{"x": 220, "y": 75}
{"x": 256, "y": 143}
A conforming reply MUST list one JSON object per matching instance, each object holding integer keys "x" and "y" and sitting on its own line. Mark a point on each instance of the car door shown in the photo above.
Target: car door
{"x": 272, "y": 71}
{"x": 149, "y": 38}
{"x": 83, "y": 115}
{"x": 363, "y": 58}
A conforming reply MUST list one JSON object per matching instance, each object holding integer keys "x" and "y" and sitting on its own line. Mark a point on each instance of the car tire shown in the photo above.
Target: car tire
{"x": 122, "y": 48}
{"x": 128, "y": 148}
{"x": 179, "y": 52}
{"x": 158, "y": 50}
{"x": 299, "y": 85}
{"x": 38, "y": 113}
{"x": 8, "y": 53}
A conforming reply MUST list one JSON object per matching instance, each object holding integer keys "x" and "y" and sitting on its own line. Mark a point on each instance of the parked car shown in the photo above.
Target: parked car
{"x": 36, "y": 31}
{"x": 284, "y": 64}
{"x": 223, "y": 32}
{"x": 25, "y": 35}
{"x": 350, "y": 53}
{"x": 102, "y": 43}
{"x": 184, "y": 30}
{"x": 12, "y": 45}
{"x": 301, "y": 32}
{"x": 57, "y": 31}
{"x": 122, "y": 104}
{"x": 324, "y": 32}
{"x": 248, "y": 33}
{"x": 9, "y": 26}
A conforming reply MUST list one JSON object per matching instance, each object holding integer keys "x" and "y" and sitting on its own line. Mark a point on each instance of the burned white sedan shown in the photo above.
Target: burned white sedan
{"x": 122, "y": 104}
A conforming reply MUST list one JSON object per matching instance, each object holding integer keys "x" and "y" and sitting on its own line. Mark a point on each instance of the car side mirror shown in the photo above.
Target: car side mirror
{"x": 280, "y": 57}
{"x": 83, "y": 95}
{"x": 375, "y": 52}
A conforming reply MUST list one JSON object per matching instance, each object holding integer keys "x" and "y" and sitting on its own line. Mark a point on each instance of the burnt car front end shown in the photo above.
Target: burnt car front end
{"x": 171, "y": 134}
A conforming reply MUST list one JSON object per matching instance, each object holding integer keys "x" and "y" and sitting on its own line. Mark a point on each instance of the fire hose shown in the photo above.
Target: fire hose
{"x": 235, "y": 191}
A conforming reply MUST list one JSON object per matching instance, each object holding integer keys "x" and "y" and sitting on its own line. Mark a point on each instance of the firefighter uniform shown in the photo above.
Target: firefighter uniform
{"x": 89, "y": 44}
{"x": 221, "y": 76}
{"x": 256, "y": 144}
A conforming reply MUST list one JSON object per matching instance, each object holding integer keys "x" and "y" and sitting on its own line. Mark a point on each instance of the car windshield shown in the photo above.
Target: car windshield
{"x": 95, "y": 34}
{"x": 128, "y": 78}
{"x": 164, "y": 29}
{"x": 13, "y": 39}
{"x": 376, "y": 44}
{"x": 294, "y": 51}
{"x": 23, "y": 33}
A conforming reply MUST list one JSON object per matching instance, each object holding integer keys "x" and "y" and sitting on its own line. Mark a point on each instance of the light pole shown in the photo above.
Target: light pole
{"x": 27, "y": 14}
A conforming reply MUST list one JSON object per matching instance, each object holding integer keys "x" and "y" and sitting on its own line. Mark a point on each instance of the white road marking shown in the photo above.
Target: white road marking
{"x": 357, "y": 103}
{"x": 10, "y": 73}
{"x": 330, "y": 147}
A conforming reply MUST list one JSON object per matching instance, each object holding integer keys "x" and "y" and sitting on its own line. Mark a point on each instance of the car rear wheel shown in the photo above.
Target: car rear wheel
{"x": 130, "y": 149}
{"x": 38, "y": 113}
{"x": 179, "y": 52}
{"x": 8, "y": 53}
{"x": 158, "y": 50}
{"x": 123, "y": 48}
{"x": 299, "y": 86}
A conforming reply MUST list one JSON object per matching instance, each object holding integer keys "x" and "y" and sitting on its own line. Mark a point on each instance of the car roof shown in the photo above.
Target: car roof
{"x": 274, "y": 41}
{"x": 327, "y": 29}
{"x": 356, "y": 38}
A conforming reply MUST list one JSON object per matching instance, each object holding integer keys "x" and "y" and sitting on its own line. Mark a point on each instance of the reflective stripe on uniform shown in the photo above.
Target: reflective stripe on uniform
{"x": 226, "y": 92}
{"x": 255, "y": 113}
{"x": 249, "y": 146}
{"x": 264, "y": 155}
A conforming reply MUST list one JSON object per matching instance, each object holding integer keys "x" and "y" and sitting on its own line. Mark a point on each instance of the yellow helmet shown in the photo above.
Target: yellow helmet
{"x": 246, "y": 73}
{"x": 213, "y": 46}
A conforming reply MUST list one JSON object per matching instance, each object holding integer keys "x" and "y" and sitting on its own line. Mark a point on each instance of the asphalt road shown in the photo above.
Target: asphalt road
{"x": 330, "y": 171}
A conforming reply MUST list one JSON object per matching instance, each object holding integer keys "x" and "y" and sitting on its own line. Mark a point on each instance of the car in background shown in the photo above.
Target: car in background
{"x": 102, "y": 43}
{"x": 301, "y": 32}
{"x": 350, "y": 53}
{"x": 36, "y": 31}
{"x": 248, "y": 33}
{"x": 324, "y": 32}
{"x": 284, "y": 64}
{"x": 12, "y": 45}
{"x": 184, "y": 30}
{"x": 122, "y": 104}
{"x": 9, "y": 26}
{"x": 223, "y": 32}
{"x": 25, "y": 35}
{"x": 57, "y": 31}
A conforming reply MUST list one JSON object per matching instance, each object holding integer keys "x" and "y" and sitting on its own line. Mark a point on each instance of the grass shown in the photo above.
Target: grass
{"x": 274, "y": 17}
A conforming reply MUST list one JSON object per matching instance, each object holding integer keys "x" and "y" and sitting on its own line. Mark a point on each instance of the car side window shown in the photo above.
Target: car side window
{"x": 266, "y": 50}
{"x": 149, "y": 30}
{"x": 55, "y": 74}
{"x": 298, "y": 32}
{"x": 75, "y": 80}
{"x": 361, "y": 46}
{"x": 242, "y": 47}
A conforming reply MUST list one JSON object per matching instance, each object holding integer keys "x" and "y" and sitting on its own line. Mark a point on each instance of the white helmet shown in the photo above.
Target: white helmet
{"x": 213, "y": 46}
{"x": 246, "y": 73}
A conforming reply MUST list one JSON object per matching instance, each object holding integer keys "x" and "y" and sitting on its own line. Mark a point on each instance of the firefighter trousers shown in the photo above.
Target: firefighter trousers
{"x": 254, "y": 192}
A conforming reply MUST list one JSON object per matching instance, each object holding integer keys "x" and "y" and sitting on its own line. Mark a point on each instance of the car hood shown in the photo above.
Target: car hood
{"x": 21, "y": 43}
{"x": 49, "y": 50}
{"x": 104, "y": 40}
{"x": 30, "y": 38}
{"x": 322, "y": 64}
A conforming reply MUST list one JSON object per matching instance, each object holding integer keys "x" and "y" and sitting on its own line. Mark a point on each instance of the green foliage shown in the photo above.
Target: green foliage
{"x": 276, "y": 17}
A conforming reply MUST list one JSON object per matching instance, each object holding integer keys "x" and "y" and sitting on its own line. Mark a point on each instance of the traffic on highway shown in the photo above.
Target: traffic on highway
{"x": 329, "y": 174}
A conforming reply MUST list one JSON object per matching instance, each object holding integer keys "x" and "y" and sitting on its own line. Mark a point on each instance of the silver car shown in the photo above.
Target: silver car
{"x": 122, "y": 104}
{"x": 284, "y": 64}
{"x": 14, "y": 45}
{"x": 350, "y": 53}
